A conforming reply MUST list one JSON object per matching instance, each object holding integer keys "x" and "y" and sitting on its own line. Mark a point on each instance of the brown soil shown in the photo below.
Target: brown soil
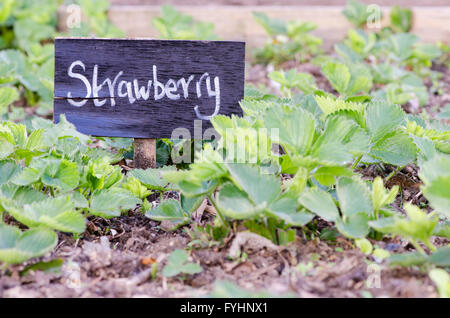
{"x": 114, "y": 259}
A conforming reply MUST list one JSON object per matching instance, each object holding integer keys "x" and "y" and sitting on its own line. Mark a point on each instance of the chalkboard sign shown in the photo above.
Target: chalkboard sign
{"x": 146, "y": 88}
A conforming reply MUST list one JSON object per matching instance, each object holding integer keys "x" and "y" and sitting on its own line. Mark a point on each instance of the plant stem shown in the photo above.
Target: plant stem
{"x": 219, "y": 213}
{"x": 418, "y": 247}
{"x": 393, "y": 173}
{"x": 430, "y": 246}
{"x": 356, "y": 162}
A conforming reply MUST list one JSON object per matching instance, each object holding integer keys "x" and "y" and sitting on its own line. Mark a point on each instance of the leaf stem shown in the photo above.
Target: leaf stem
{"x": 430, "y": 246}
{"x": 393, "y": 173}
{"x": 418, "y": 247}
{"x": 356, "y": 162}
{"x": 219, "y": 213}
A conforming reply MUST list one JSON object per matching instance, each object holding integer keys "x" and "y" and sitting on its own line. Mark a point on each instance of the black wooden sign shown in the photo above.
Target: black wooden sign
{"x": 146, "y": 88}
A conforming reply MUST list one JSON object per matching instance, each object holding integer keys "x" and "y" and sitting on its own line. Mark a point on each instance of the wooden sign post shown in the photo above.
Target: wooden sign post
{"x": 145, "y": 89}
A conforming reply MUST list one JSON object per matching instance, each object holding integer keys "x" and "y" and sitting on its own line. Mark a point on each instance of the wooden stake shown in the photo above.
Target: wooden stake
{"x": 144, "y": 153}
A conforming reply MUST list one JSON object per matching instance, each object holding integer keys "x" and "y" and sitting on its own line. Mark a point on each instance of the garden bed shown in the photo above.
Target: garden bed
{"x": 121, "y": 267}
{"x": 278, "y": 239}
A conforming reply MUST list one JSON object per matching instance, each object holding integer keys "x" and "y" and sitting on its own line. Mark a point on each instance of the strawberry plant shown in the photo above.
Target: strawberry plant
{"x": 175, "y": 25}
{"x": 53, "y": 179}
{"x": 286, "y": 40}
{"x": 322, "y": 158}
{"x": 178, "y": 264}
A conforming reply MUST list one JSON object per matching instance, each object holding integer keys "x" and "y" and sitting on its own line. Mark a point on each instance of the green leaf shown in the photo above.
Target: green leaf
{"x": 21, "y": 195}
{"x": 443, "y": 229}
{"x": 401, "y": 19}
{"x": 356, "y": 12}
{"x": 327, "y": 175}
{"x": 8, "y": 95}
{"x": 339, "y": 76}
{"x": 442, "y": 280}
{"x": 168, "y": 210}
{"x": 330, "y": 105}
{"x": 407, "y": 259}
{"x": 134, "y": 186}
{"x": 151, "y": 178}
{"x": 418, "y": 226}
{"x": 34, "y": 140}
{"x": 53, "y": 266}
{"x": 401, "y": 45}
{"x": 61, "y": 174}
{"x": 56, "y": 213}
{"x": 364, "y": 245}
{"x": 261, "y": 188}
{"x": 340, "y": 141}
{"x": 285, "y": 208}
{"x": 380, "y": 196}
{"x": 395, "y": 148}
{"x": 354, "y": 226}
{"x": 353, "y": 196}
{"x": 272, "y": 26}
{"x": 441, "y": 257}
{"x": 319, "y": 202}
{"x": 6, "y": 146}
{"x": 17, "y": 247}
{"x": 178, "y": 263}
{"x": 111, "y": 202}
{"x": 435, "y": 175}
{"x": 8, "y": 169}
{"x": 290, "y": 79}
{"x": 236, "y": 204}
{"x": 382, "y": 118}
{"x": 296, "y": 127}
{"x": 191, "y": 268}
{"x": 27, "y": 176}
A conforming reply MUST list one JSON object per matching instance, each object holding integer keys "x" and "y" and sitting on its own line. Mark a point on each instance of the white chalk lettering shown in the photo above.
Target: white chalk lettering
{"x": 83, "y": 79}
{"x": 171, "y": 89}
{"x": 141, "y": 92}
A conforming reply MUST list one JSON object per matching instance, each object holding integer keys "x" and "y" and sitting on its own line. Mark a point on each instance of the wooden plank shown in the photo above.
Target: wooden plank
{"x": 144, "y": 153}
{"x": 403, "y": 3}
{"x": 146, "y": 88}
{"x": 237, "y": 23}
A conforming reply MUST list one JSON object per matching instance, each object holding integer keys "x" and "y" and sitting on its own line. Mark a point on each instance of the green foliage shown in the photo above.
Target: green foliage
{"x": 364, "y": 245}
{"x": 17, "y": 246}
{"x": 178, "y": 263}
{"x": 97, "y": 22}
{"x": 55, "y": 213}
{"x": 419, "y": 226}
{"x": 348, "y": 80}
{"x": 435, "y": 175}
{"x": 441, "y": 257}
{"x": 401, "y": 19}
{"x": 51, "y": 179}
{"x": 356, "y": 12}
{"x": 442, "y": 280}
{"x": 175, "y": 25}
{"x": 27, "y": 30}
{"x": 291, "y": 79}
{"x": 286, "y": 40}
{"x": 27, "y": 58}
{"x": 135, "y": 187}
{"x": 110, "y": 203}
{"x": 392, "y": 56}
{"x": 169, "y": 210}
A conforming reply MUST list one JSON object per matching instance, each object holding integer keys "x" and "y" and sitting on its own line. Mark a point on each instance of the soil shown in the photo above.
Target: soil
{"x": 114, "y": 259}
